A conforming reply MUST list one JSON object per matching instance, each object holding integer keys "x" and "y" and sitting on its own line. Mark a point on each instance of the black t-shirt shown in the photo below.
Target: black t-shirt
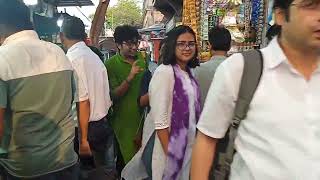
{"x": 144, "y": 88}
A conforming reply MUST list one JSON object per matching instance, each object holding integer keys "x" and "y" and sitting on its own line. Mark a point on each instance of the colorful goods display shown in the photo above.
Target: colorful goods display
{"x": 245, "y": 19}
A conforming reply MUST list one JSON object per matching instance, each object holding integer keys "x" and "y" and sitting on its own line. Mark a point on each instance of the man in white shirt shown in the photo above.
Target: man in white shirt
{"x": 93, "y": 99}
{"x": 279, "y": 138}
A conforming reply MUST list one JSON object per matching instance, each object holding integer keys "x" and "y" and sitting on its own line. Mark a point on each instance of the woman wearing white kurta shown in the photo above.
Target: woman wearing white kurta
{"x": 175, "y": 108}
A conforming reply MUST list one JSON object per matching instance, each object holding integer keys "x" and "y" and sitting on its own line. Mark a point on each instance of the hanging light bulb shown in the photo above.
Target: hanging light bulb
{"x": 30, "y": 2}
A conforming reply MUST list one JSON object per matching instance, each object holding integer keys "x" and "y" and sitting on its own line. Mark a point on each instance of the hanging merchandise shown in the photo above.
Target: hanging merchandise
{"x": 234, "y": 2}
{"x": 270, "y": 12}
{"x": 230, "y": 2}
{"x": 230, "y": 19}
{"x": 247, "y": 15}
{"x": 256, "y": 5}
{"x": 261, "y": 23}
{"x": 241, "y": 16}
{"x": 191, "y": 16}
{"x": 245, "y": 19}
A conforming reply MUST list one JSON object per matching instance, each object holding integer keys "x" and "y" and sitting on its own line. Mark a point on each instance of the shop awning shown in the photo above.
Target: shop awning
{"x": 70, "y": 2}
{"x": 164, "y": 7}
{"x": 169, "y": 8}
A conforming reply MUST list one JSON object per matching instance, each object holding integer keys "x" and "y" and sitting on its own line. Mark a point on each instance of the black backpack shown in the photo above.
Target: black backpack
{"x": 252, "y": 71}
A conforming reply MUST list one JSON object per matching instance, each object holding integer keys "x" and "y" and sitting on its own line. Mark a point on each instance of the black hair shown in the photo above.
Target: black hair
{"x": 14, "y": 16}
{"x": 162, "y": 42}
{"x": 220, "y": 39}
{"x": 125, "y": 33}
{"x": 273, "y": 31}
{"x": 284, "y": 5}
{"x": 73, "y": 28}
{"x": 169, "y": 49}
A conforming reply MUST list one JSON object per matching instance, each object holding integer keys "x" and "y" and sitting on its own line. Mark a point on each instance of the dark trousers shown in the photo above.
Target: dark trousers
{"x": 101, "y": 140}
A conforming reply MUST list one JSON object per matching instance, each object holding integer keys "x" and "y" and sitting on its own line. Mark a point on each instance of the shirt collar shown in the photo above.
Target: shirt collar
{"x": 22, "y": 35}
{"x": 275, "y": 54}
{"x": 77, "y": 45}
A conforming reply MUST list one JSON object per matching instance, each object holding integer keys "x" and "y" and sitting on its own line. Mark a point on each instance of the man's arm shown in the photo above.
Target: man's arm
{"x": 202, "y": 157}
{"x": 144, "y": 100}
{"x": 82, "y": 103}
{"x": 83, "y": 109}
{"x": 124, "y": 87}
{"x": 2, "y": 111}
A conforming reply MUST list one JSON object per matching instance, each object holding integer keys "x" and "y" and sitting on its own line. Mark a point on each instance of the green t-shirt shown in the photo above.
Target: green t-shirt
{"x": 126, "y": 114}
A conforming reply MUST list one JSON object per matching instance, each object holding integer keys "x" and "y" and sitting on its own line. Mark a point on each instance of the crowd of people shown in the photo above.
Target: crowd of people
{"x": 140, "y": 120}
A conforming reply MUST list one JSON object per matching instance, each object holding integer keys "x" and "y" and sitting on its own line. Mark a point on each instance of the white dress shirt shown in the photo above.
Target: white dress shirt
{"x": 280, "y": 137}
{"x": 91, "y": 80}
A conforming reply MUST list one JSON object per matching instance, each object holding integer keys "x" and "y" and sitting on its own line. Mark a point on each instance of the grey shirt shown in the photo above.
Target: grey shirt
{"x": 205, "y": 73}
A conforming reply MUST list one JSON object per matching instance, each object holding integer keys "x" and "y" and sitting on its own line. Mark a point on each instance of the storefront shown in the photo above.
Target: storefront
{"x": 151, "y": 38}
{"x": 247, "y": 20}
{"x": 45, "y": 17}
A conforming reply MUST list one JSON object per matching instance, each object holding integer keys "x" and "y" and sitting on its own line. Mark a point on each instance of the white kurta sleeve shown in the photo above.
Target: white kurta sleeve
{"x": 161, "y": 92}
{"x": 220, "y": 103}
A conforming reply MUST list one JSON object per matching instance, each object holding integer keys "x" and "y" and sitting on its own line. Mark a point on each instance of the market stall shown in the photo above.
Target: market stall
{"x": 151, "y": 38}
{"x": 246, "y": 20}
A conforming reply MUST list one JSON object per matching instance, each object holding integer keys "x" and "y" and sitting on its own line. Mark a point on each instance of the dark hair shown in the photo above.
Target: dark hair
{"x": 169, "y": 51}
{"x": 162, "y": 42}
{"x": 15, "y": 16}
{"x": 273, "y": 31}
{"x": 285, "y": 4}
{"x": 282, "y": 4}
{"x": 73, "y": 28}
{"x": 125, "y": 33}
{"x": 220, "y": 39}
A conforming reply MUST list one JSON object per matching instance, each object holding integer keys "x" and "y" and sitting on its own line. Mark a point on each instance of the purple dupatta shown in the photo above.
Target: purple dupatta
{"x": 178, "y": 138}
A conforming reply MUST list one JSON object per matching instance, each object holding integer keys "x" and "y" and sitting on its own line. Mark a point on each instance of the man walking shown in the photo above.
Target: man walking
{"x": 93, "y": 99}
{"x": 36, "y": 129}
{"x": 220, "y": 44}
{"x": 279, "y": 138}
{"x": 125, "y": 72}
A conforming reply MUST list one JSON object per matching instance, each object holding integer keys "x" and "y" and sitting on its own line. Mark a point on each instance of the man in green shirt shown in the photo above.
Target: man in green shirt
{"x": 125, "y": 72}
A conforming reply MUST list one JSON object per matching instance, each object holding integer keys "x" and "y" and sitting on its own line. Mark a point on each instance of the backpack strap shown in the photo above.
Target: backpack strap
{"x": 252, "y": 71}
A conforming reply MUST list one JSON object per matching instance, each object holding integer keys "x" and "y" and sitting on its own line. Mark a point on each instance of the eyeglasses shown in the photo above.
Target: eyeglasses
{"x": 132, "y": 44}
{"x": 182, "y": 45}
